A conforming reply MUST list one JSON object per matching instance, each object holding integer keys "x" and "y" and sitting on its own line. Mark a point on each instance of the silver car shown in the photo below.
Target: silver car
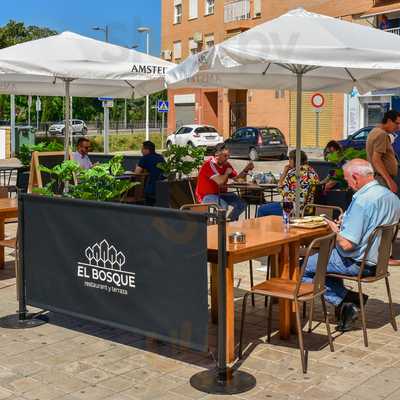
{"x": 78, "y": 127}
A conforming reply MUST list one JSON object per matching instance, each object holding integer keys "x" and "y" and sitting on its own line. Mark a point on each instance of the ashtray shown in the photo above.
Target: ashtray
{"x": 237, "y": 238}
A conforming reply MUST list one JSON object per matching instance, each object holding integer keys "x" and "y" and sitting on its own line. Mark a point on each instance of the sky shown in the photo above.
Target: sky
{"x": 122, "y": 16}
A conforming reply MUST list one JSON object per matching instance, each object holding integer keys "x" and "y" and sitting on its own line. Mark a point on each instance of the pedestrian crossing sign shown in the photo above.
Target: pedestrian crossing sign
{"x": 163, "y": 106}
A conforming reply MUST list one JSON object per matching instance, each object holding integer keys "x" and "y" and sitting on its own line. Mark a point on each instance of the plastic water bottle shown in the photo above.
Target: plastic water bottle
{"x": 285, "y": 221}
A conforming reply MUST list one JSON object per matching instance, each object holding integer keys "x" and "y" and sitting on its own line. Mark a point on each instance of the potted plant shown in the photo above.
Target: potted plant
{"x": 180, "y": 164}
{"x": 25, "y": 154}
{"x": 99, "y": 183}
{"x": 341, "y": 195}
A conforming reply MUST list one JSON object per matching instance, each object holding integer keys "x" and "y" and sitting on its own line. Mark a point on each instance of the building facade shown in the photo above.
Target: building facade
{"x": 190, "y": 26}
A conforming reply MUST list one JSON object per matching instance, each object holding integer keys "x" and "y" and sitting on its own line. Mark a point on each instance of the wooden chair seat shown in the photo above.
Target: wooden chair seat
{"x": 282, "y": 288}
{"x": 11, "y": 243}
{"x": 11, "y": 220}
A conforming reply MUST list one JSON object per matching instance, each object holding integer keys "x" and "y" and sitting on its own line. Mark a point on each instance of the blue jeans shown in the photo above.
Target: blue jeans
{"x": 270, "y": 209}
{"x": 227, "y": 199}
{"x": 335, "y": 290}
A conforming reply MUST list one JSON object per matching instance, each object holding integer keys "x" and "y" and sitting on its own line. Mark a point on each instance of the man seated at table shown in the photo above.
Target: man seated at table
{"x": 212, "y": 182}
{"x": 287, "y": 185}
{"x": 149, "y": 163}
{"x": 81, "y": 153}
{"x": 372, "y": 205}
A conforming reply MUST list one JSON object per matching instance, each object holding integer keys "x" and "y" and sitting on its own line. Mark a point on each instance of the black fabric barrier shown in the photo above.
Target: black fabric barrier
{"x": 137, "y": 268}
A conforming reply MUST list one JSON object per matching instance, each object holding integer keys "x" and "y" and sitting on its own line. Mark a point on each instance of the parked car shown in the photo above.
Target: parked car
{"x": 358, "y": 140}
{"x": 255, "y": 143}
{"x": 78, "y": 126}
{"x": 195, "y": 135}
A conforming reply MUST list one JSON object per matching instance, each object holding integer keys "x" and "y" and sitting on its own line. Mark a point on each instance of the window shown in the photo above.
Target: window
{"x": 362, "y": 135}
{"x": 257, "y": 8}
{"x": 209, "y": 41}
{"x": 280, "y": 94}
{"x": 210, "y": 5}
{"x": 193, "y": 47}
{"x": 193, "y": 9}
{"x": 177, "y": 50}
{"x": 239, "y": 134}
{"x": 205, "y": 129}
{"x": 177, "y": 11}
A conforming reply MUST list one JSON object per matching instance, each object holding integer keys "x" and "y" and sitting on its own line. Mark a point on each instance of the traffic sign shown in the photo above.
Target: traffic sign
{"x": 38, "y": 104}
{"x": 105, "y": 98}
{"x": 317, "y": 100}
{"x": 108, "y": 103}
{"x": 162, "y": 106}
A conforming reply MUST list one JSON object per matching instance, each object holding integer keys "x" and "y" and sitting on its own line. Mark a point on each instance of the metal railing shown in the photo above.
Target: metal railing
{"x": 395, "y": 31}
{"x": 237, "y": 10}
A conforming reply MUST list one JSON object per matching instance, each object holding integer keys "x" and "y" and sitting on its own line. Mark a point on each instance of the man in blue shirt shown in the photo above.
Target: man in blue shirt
{"x": 148, "y": 163}
{"x": 372, "y": 205}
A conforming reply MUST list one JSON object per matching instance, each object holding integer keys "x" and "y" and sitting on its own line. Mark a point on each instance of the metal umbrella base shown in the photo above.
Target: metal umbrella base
{"x": 223, "y": 382}
{"x": 23, "y": 321}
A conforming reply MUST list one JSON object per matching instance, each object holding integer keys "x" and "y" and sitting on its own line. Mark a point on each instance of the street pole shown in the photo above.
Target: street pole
{"x": 125, "y": 115}
{"x": 317, "y": 111}
{"x": 29, "y": 109}
{"x": 107, "y": 33}
{"x": 162, "y": 131}
{"x": 106, "y": 128}
{"x": 147, "y": 97}
{"x": 12, "y": 120}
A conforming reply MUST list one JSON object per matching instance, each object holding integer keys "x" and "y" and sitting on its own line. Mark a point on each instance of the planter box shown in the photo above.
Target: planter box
{"x": 22, "y": 179}
{"x": 174, "y": 194}
{"x": 340, "y": 198}
{"x": 322, "y": 168}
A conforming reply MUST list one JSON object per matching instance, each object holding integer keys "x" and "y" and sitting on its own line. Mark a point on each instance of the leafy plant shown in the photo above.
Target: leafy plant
{"x": 340, "y": 158}
{"x": 26, "y": 150}
{"x": 97, "y": 183}
{"x": 182, "y": 160}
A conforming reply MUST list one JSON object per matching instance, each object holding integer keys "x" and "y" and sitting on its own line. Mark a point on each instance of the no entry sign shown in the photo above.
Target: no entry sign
{"x": 317, "y": 100}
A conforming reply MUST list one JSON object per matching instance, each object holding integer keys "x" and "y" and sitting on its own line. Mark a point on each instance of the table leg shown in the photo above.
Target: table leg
{"x": 2, "y": 236}
{"x": 284, "y": 305}
{"x": 230, "y": 312}
{"x": 294, "y": 250}
{"x": 214, "y": 292}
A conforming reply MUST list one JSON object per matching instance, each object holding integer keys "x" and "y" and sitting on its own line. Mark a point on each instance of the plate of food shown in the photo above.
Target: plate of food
{"x": 309, "y": 222}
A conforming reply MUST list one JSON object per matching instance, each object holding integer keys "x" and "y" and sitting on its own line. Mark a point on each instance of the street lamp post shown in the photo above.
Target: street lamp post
{"x": 145, "y": 29}
{"x": 106, "y": 30}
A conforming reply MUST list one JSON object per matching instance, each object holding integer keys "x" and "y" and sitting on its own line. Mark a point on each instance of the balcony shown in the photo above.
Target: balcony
{"x": 237, "y": 10}
{"x": 395, "y": 31}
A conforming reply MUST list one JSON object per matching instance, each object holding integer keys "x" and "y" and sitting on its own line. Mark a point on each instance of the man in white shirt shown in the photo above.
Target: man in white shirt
{"x": 81, "y": 153}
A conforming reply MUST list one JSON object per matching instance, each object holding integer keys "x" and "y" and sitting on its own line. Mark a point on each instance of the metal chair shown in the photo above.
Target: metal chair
{"x": 210, "y": 208}
{"x": 333, "y": 212}
{"x": 386, "y": 234}
{"x": 8, "y": 178}
{"x": 297, "y": 292}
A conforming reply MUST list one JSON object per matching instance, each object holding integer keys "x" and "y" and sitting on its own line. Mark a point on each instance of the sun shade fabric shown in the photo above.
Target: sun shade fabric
{"x": 343, "y": 55}
{"x": 96, "y": 68}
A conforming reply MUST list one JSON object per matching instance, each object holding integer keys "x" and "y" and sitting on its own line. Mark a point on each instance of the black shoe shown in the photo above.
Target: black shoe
{"x": 353, "y": 297}
{"x": 348, "y": 317}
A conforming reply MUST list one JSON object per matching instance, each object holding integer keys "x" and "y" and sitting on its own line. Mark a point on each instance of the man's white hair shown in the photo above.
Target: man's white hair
{"x": 359, "y": 167}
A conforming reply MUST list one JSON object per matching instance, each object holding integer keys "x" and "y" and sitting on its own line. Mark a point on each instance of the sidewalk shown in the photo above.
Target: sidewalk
{"x": 71, "y": 359}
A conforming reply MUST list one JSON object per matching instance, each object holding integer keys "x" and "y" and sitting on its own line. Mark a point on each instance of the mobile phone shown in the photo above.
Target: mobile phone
{"x": 326, "y": 217}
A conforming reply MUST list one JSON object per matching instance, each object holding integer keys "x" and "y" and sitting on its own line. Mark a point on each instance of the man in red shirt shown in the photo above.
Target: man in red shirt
{"x": 212, "y": 182}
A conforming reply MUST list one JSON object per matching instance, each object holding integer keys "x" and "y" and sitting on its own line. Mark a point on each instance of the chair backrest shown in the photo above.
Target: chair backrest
{"x": 325, "y": 245}
{"x": 333, "y": 212}
{"x": 203, "y": 208}
{"x": 8, "y": 176}
{"x": 385, "y": 234}
{"x": 4, "y": 192}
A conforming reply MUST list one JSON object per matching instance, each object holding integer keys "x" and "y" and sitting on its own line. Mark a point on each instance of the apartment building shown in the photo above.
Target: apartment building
{"x": 190, "y": 26}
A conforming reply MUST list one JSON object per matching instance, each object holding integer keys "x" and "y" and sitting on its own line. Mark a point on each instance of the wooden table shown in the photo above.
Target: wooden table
{"x": 264, "y": 236}
{"x": 8, "y": 209}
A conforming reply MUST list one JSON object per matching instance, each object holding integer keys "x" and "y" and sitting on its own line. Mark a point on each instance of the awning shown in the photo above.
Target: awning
{"x": 372, "y": 12}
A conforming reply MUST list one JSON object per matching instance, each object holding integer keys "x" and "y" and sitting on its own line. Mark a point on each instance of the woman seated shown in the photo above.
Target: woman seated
{"x": 330, "y": 183}
{"x": 332, "y": 147}
{"x": 288, "y": 183}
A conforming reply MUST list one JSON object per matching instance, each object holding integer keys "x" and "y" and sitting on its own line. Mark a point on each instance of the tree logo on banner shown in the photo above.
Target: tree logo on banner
{"x": 103, "y": 269}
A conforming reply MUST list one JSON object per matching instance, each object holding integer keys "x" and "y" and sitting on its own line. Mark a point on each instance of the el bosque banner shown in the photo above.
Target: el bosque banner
{"x": 139, "y": 268}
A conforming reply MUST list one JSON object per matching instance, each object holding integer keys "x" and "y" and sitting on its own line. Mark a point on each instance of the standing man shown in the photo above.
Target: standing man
{"x": 81, "y": 153}
{"x": 149, "y": 163}
{"x": 212, "y": 182}
{"x": 380, "y": 150}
